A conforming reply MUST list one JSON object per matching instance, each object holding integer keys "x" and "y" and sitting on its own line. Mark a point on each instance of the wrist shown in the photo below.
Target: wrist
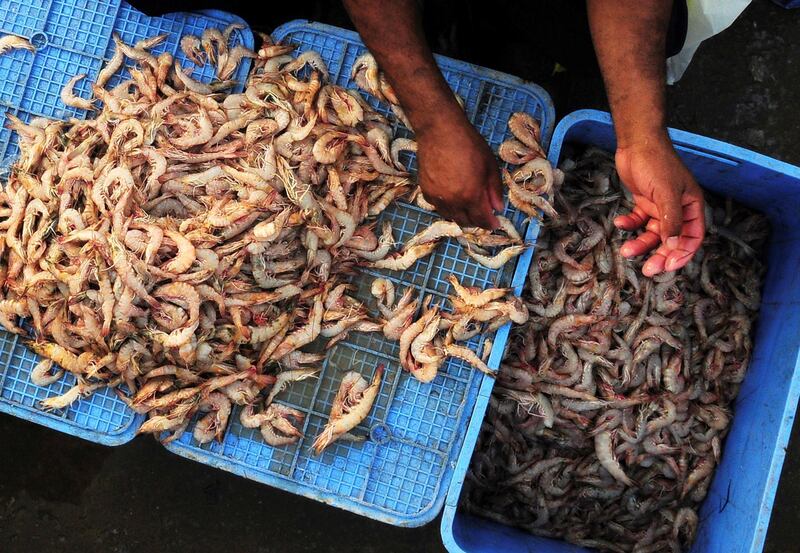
{"x": 641, "y": 134}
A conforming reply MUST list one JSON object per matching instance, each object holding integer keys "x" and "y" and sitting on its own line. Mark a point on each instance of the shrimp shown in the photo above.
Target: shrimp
{"x": 186, "y": 254}
{"x": 125, "y": 270}
{"x": 466, "y": 354}
{"x": 420, "y": 350}
{"x": 383, "y": 290}
{"x": 411, "y": 332}
{"x": 515, "y": 152}
{"x": 277, "y": 428}
{"x": 401, "y": 145}
{"x": 605, "y": 454}
{"x": 172, "y": 420}
{"x": 498, "y": 260}
{"x": 403, "y": 261}
{"x": 308, "y": 58}
{"x": 215, "y": 46}
{"x": 568, "y": 323}
{"x": 439, "y": 229}
{"x": 526, "y": 129}
{"x": 82, "y": 389}
{"x": 474, "y": 297}
{"x": 191, "y": 47}
{"x": 214, "y": 423}
{"x": 235, "y": 57}
{"x": 68, "y": 96}
{"x": 703, "y": 468}
{"x": 400, "y": 319}
{"x": 351, "y": 405}
{"x": 305, "y": 334}
{"x": 385, "y": 243}
{"x": 285, "y": 377}
{"x": 76, "y": 364}
{"x": 41, "y": 376}
{"x": 186, "y": 296}
{"x": 13, "y": 42}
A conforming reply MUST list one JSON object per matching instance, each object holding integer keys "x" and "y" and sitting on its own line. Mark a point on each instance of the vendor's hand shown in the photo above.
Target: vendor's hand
{"x": 458, "y": 172}
{"x": 669, "y": 205}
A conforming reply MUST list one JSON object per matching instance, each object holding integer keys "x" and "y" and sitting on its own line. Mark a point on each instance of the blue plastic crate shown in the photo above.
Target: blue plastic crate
{"x": 735, "y": 515}
{"x": 73, "y": 37}
{"x": 400, "y": 475}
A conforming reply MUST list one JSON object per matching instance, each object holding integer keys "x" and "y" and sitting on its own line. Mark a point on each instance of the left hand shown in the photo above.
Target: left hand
{"x": 669, "y": 205}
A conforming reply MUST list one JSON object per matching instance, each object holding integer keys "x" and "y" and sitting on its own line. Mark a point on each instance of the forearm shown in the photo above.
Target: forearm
{"x": 630, "y": 41}
{"x": 392, "y": 30}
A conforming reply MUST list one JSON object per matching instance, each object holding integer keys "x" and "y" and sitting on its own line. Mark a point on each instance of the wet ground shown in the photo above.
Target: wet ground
{"x": 59, "y": 493}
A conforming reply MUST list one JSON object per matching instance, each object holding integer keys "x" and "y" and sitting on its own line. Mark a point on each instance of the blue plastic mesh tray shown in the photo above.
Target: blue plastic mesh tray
{"x": 401, "y": 474}
{"x": 75, "y": 37}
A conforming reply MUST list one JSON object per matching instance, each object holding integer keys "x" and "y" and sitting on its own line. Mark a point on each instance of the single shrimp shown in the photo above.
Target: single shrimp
{"x": 76, "y": 364}
{"x": 351, "y": 405}
{"x": 308, "y": 58}
{"x": 527, "y": 130}
{"x": 13, "y": 42}
{"x": 466, "y": 354}
{"x": 81, "y": 389}
{"x": 41, "y": 376}
{"x": 184, "y": 258}
{"x": 69, "y": 98}
{"x": 233, "y": 60}
{"x": 498, "y": 260}
{"x": 515, "y": 152}
{"x": 475, "y": 297}
{"x": 286, "y": 377}
{"x": 192, "y": 49}
{"x": 439, "y": 229}
{"x": 402, "y": 261}
{"x": 383, "y": 290}
{"x": 605, "y": 454}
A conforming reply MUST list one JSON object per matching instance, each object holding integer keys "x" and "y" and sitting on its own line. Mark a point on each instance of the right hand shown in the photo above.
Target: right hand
{"x": 458, "y": 172}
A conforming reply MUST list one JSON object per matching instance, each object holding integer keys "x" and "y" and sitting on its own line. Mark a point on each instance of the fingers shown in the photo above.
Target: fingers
{"x": 632, "y": 220}
{"x": 683, "y": 248}
{"x": 670, "y": 211}
{"x": 656, "y": 263}
{"x": 640, "y": 245}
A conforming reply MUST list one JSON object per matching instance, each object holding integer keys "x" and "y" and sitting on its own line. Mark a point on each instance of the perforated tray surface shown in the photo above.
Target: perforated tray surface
{"x": 71, "y": 37}
{"x": 415, "y": 431}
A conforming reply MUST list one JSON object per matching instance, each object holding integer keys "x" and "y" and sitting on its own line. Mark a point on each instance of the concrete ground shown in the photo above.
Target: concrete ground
{"x": 59, "y": 493}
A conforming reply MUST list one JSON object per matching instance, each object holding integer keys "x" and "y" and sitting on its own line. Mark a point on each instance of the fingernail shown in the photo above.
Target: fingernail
{"x": 672, "y": 242}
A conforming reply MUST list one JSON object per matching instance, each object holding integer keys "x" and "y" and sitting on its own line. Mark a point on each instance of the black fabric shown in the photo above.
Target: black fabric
{"x": 678, "y": 25}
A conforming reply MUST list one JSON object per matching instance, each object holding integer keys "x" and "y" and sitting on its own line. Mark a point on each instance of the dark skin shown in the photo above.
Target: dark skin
{"x": 458, "y": 172}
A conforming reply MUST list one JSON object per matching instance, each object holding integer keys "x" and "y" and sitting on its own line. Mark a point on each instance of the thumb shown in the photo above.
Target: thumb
{"x": 670, "y": 212}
